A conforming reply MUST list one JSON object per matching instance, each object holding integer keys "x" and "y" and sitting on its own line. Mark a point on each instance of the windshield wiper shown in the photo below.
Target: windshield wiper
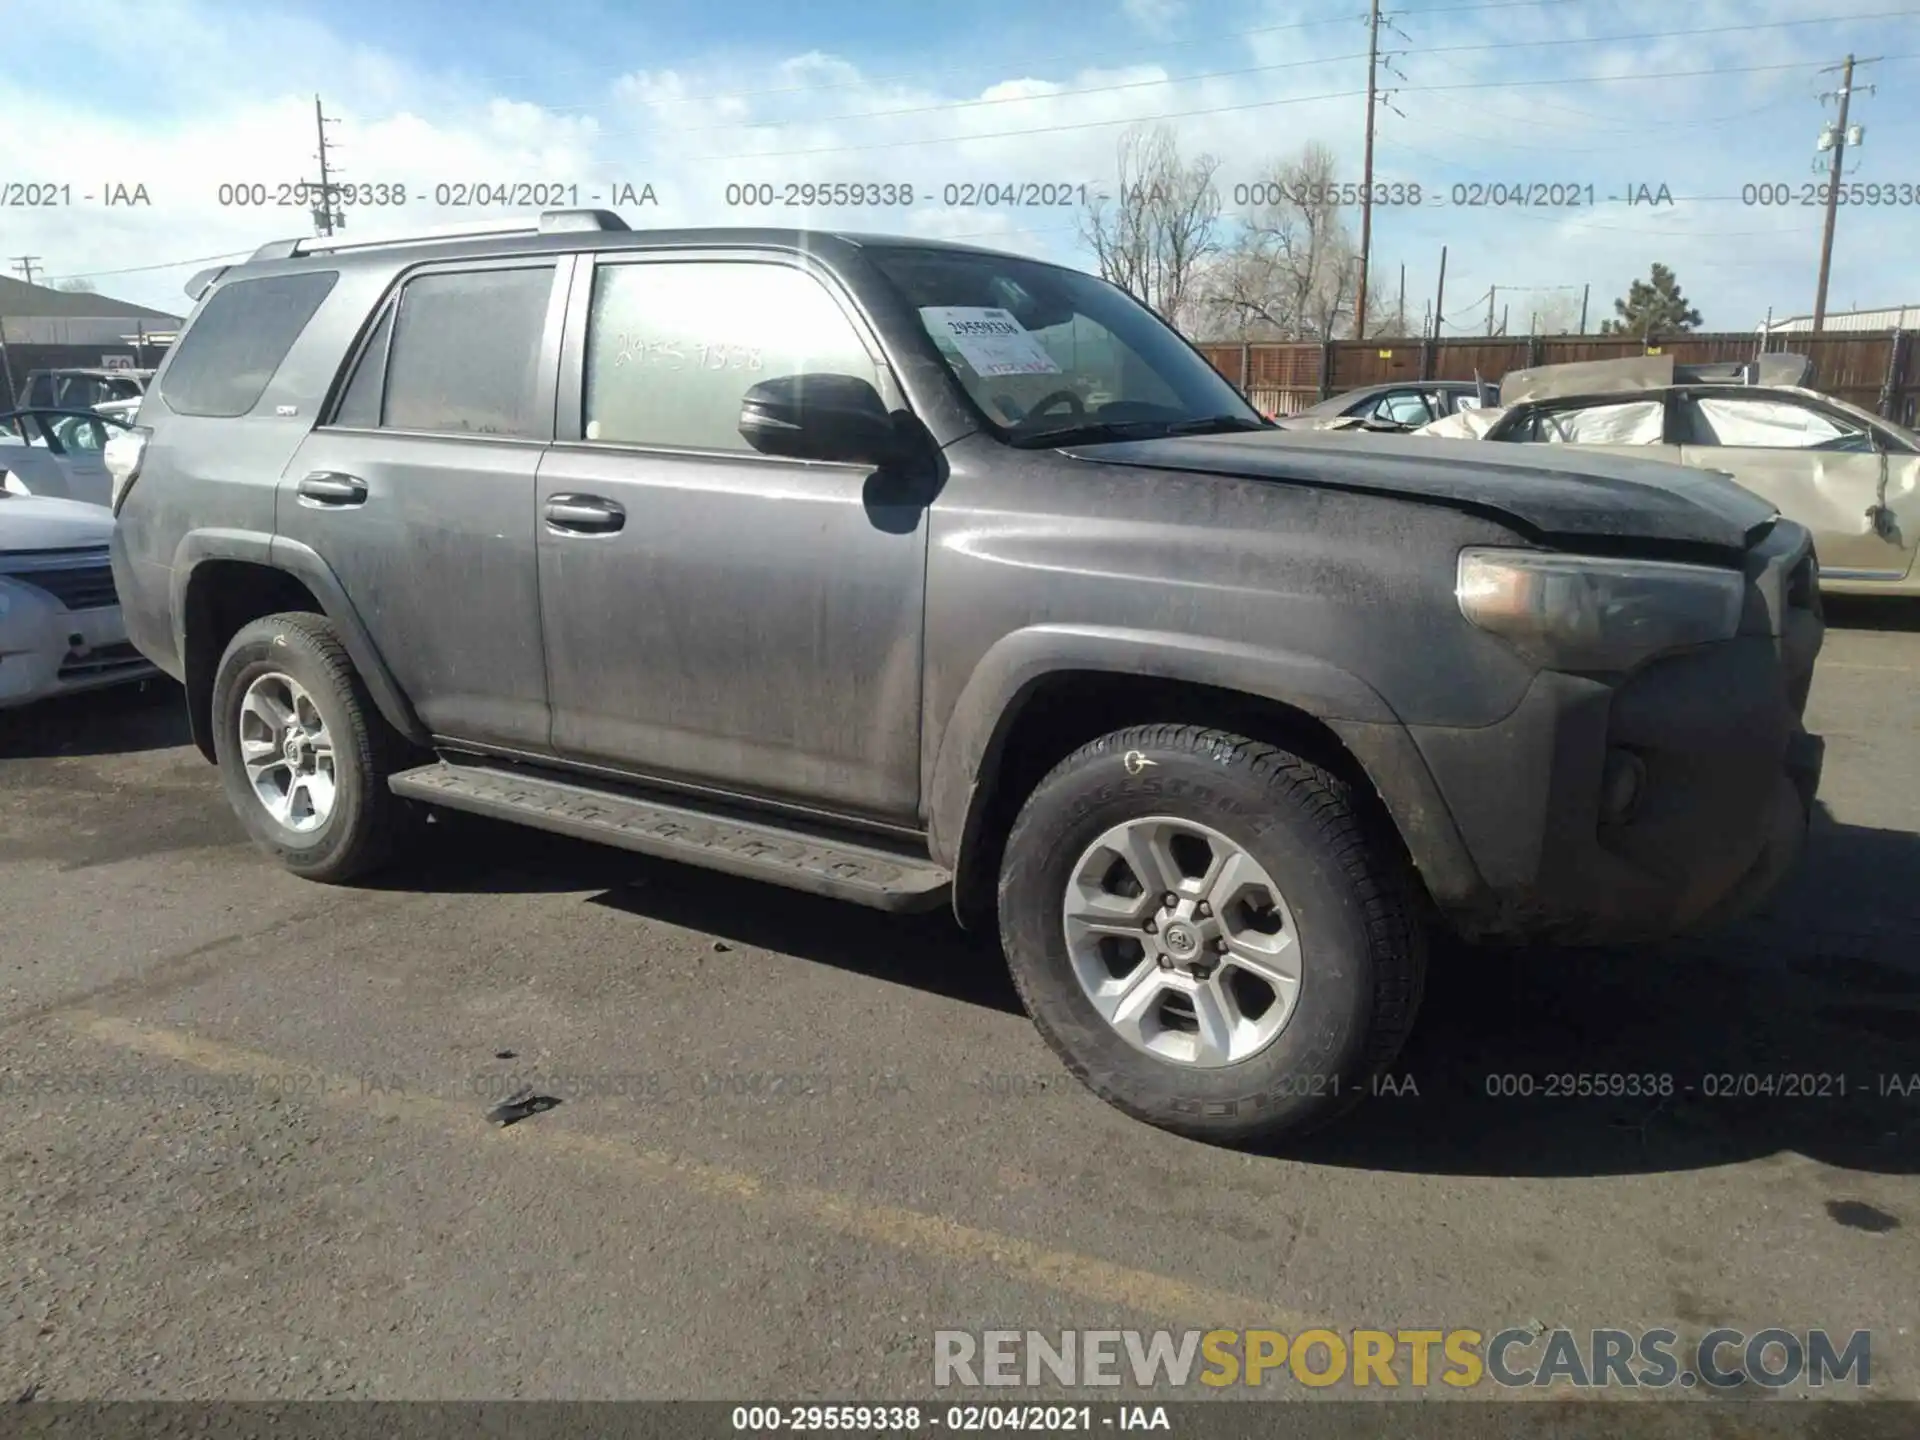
{"x": 1087, "y": 432}
{"x": 1216, "y": 425}
{"x": 1092, "y": 432}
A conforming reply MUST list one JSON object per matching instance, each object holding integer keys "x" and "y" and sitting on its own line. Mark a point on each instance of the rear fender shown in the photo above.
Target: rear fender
{"x": 305, "y": 565}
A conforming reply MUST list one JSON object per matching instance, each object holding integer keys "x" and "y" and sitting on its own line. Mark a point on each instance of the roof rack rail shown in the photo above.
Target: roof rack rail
{"x": 550, "y": 222}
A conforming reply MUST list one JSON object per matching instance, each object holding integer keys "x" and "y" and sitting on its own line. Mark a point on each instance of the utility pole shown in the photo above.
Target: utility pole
{"x": 1400, "y": 310}
{"x": 1366, "y": 186}
{"x": 1586, "y": 291}
{"x": 1492, "y": 291}
{"x": 325, "y": 218}
{"x": 25, "y": 264}
{"x": 1839, "y": 137}
{"x": 1440, "y": 295}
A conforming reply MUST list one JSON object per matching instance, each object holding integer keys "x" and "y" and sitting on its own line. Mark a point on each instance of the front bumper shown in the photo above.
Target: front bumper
{"x": 1673, "y": 800}
{"x": 47, "y": 649}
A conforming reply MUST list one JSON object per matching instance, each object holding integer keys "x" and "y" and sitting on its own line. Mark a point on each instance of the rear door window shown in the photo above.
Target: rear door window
{"x": 465, "y": 354}
{"x": 1631, "y": 422}
{"x": 360, "y": 403}
{"x": 1768, "y": 424}
{"x": 238, "y": 340}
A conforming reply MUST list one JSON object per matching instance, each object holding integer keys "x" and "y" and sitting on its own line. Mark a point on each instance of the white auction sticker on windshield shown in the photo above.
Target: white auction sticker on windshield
{"x": 991, "y": 341}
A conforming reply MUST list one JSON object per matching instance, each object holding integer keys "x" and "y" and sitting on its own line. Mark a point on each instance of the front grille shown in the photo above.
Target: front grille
{"x": 78, "y": 587}
{"x": 101, "y": 660}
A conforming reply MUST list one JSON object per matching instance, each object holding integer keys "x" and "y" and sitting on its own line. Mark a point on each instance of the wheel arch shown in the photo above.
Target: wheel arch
{"x": 1041, "y": 693}
{"x": 223, "y": 579}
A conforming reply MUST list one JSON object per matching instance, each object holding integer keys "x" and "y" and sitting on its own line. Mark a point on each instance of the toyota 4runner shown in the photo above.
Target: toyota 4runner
{"x": 915, "y": 574}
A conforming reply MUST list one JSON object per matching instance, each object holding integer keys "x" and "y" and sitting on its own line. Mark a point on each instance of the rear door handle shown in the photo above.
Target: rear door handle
{"x": 331, "y": 489}
{"x": 584, "y": 514}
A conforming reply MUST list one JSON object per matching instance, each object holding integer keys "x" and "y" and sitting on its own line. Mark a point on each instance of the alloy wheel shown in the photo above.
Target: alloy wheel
{"x": 1182, "y": 941}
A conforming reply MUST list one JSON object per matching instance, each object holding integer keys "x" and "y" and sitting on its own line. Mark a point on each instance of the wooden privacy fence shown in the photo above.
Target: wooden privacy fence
{"x": 1878, "y": 371}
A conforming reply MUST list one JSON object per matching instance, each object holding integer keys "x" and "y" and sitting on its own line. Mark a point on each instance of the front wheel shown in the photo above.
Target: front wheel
{"x": 1209, "y": 932}
{"x": 303, "y": 752}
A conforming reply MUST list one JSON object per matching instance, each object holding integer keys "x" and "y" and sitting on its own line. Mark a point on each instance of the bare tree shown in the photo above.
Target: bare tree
{"x": 1156, "y": 236}
{"x": 1556, "y": 314}
{"x": 79, "y": 285}
{"x": 1290, "y": 270}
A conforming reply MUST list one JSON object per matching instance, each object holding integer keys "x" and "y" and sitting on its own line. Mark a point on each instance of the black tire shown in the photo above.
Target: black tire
{"x": 367, "y": 817}
{"x": 1349, "y": 887}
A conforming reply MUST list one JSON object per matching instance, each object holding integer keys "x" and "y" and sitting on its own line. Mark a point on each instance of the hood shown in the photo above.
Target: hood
{"x": 1630, "y": 375}
{"x": 40, "y": 522}
{"x": 1642, "y": 374}
{"x": 1548, "y": 491}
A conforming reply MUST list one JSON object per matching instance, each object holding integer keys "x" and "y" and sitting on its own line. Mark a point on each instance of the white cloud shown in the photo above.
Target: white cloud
{"x": 1156, "y": 17}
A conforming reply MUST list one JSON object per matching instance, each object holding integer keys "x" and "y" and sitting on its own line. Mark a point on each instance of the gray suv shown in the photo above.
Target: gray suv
{"x": 918, "y": 574}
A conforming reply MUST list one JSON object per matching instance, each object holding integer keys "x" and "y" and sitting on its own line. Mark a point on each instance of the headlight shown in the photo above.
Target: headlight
{"x": 1572, "y": 612}
{"x": 122, "y": 455}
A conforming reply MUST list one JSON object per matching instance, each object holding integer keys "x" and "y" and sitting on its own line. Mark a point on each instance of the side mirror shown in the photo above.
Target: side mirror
{"x": 819, "y": 417}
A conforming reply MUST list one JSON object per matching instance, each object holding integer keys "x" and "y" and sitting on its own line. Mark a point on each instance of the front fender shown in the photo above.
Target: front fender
{"x": 1008, "y": 671}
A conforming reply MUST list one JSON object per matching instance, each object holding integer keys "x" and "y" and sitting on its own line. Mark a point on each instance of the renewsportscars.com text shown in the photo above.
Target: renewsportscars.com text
{"x": 1460, "y": 1359}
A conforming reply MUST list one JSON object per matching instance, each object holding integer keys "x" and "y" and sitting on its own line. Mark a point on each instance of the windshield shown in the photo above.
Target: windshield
{"x": 1900, "y": 432}
{"x": 1052, "y": 355}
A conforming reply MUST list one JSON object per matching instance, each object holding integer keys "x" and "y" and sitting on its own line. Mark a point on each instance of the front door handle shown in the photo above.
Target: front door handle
{"x": 331, "y": 489}
{"x": 584, "y": 514}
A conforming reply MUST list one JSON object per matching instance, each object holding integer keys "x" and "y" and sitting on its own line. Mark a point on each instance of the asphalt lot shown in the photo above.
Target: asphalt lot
{"x": 246, "y": 1153}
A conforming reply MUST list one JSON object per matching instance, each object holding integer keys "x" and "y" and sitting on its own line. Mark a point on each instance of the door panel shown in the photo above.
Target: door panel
{"x": 714, "y": 615}
{"x": 752, "y": 624}
{"x": 420, "y": 493}
{"x": 1668, "y": 453}
{"x": 439, "y": 560}
{"x": 1831, "y": 493}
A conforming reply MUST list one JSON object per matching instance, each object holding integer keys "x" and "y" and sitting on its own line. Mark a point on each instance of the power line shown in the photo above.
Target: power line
{"x": 1071, "y": 57}
{"x": 163, "y": 265}
{"x": 1372, "y": 55}
{"x": 1262, "y": 105}
{"x": 854, "y": 82}
{"x": 954, "y": 105}
{"x": 1672, "y": 34}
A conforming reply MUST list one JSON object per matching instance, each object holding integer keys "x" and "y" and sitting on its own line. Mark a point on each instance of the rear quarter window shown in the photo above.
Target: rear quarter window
{"x": 234, "y": 346}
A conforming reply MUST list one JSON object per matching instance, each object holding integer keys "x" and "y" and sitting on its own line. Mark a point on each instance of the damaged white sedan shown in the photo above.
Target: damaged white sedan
{"x": 1848, "y": 475}
{"x": 60, "y": 624}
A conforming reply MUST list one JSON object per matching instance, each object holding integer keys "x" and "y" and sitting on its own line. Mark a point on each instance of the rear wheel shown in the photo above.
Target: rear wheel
{"x": 1209, "y": 933}
{"x": 303, "y": 752}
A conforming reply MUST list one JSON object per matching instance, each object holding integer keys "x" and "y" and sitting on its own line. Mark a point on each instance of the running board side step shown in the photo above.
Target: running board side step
{"x": 754, "y": 849}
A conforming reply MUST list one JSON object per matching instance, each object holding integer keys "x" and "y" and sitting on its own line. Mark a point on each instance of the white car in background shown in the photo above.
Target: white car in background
{"x": 60, "y": 625}
{"x": 59, "y": 453}
{"x": 1848, "y": 475}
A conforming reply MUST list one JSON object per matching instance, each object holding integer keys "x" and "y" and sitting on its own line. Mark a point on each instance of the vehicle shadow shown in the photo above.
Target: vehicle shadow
{"x": 1822, "y": 990}
{"x": 1797, "y": 1031}
{"x": 467, "y": 854}
{"x": 1871, "y": 612}
{"x": 148, "y": 715}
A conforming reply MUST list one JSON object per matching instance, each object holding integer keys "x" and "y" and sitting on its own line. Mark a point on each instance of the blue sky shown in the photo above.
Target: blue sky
{"x": 184, "y": 95}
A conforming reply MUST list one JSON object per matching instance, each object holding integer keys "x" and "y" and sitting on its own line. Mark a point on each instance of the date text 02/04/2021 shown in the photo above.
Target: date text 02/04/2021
{"x": 958, "y": 1419}
{"x": 446, "y": 194}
